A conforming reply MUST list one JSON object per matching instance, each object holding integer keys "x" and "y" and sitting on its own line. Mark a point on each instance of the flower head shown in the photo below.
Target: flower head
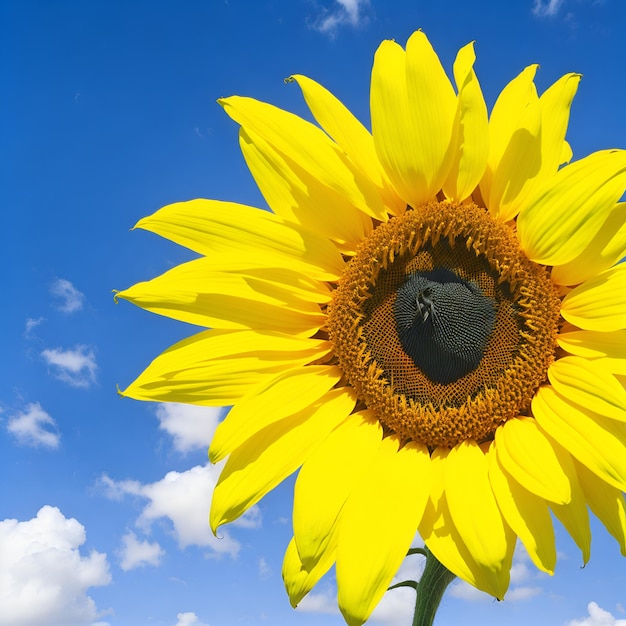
{"x": 430, "y": 324}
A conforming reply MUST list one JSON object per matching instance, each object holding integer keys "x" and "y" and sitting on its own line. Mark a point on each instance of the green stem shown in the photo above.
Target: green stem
{"x": 432, "y": 584}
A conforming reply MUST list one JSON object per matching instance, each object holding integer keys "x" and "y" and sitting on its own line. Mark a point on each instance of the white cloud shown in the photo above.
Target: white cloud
{"x": 321, "y": 602}
{"x": 32, "y": 322}
{"x": 34, "y": 427}
{"x": 343, "y": 12}
{"x": 44, "y": 579}
{"x": 185, "y": 499}
{"x": 189, "y": 619}
{"x": 68, "y": 298}
{"x": 135, "y": 553}
{"x": 546, "y": 8}
{"x": 597, "y": 617}
{"x": 76, "y": 367}
{"x": 191, "y": 426}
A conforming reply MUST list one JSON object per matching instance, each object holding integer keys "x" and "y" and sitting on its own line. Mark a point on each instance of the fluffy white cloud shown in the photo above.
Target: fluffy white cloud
{"x": 185, "y": 499}
{"x": 43, "y": 576}
{"x": 344, "y": 12}
{"x": 190, "y": 426}
{"x": 189, "y": 619}
{"x": 135, "y": 553}
{"x": 34, "y": 427}
{"x": 543, "y": 8}
{"x": 597, "y": 617}
{"x": 68, "y": 298}
{"x": 76, "y": 367}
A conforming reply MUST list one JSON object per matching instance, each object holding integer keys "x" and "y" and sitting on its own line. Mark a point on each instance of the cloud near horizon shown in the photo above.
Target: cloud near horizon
{"x": 44, "y": 579}
{"x": 185, "y": 499}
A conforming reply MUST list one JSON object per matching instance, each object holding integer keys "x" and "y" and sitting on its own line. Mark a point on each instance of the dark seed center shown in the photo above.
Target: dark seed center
{"x": 444, "y": 323}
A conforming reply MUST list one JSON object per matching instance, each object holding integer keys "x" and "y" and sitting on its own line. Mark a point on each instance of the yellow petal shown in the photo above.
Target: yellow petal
{"x": 604, "y": 251}
{"x": 599, "y": 303}
{"x": 525, "y": 513}
{"x": 442, "y": 537}
{"x": 350, "y": 135}
{"x": 528, "y": 456}
{"x": 606, "y": 349}
{"x": 272, "y": 454}
{"x": 597, "y": 442}
{"x": 285, "y": 395}
{"x": 299, "y": 580}
{"x": 254, "y": 237}
{"x": 472, "y": 133}
{"x": 574, "y": 515}
{"x": 562, "y": 217}
{"x": 296, "y": 195}
{"x": 589, "y": 385}
{"x": 309, "y": 148}
{"x": 514, "y": 144}
{"x": 326, "y": 480}
{"x": 413, "y": 107}
{"x": 193, "y": 293}
{"x": 476, "y": 514}
{"x": 556, "y": 102}
{"x": 217, "y": 367}
{"x": 606, "y": 502}
{"x": 377, "y": 525}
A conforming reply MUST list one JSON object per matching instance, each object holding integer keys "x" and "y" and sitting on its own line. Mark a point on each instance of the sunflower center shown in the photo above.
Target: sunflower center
{"x": 443, "y": 323}
{"x": 443, "y": 326}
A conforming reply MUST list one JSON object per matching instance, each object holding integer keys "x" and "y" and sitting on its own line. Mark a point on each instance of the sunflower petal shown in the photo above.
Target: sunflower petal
{"x": 589, "y": 385}
{"x": 297, "y": 196}
{"x": 525, "y": 513}
{"x": 218, "y": 367}
{"x": 377, "y": 525}
{"x": 326, "y": 480}
{"x": 604, "y": 251}
{"x": 272, "y": 454}
{"x": 472, "y": 135}
{"x": 528, "y": 456}
{"x": 192, "y": 292}
{"x": 350, "y": 135}
{"x": 246, "y": 236}
{"x": 563, "y": 215}
{"x": 514, "y": 144}
{"x": 299, "y": 580}
{"x": 574, "y": 515}
{"x": 605, "y": 349}
{"x": 475, "y": 512}
{"x": 442, "y": 537}
{"x": 556, "y": 102}
{"x": 597, "y": 442}
{"x": 599, "y": 303}
{"x": 285, "y": 395}
{"x": 309, "y": 148}
{"x": 413, "y": 107}
{"x": 606, "y": 502}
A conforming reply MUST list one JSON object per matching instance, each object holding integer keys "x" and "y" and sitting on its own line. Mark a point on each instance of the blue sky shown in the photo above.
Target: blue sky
{"x": 108, "y": 113}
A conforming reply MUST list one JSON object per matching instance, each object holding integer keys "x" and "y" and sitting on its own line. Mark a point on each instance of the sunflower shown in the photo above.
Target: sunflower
{"x": 430, "y": 324}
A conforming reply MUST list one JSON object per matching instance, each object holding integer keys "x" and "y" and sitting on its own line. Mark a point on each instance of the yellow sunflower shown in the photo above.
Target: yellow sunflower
{"x": 430, "y": 324}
